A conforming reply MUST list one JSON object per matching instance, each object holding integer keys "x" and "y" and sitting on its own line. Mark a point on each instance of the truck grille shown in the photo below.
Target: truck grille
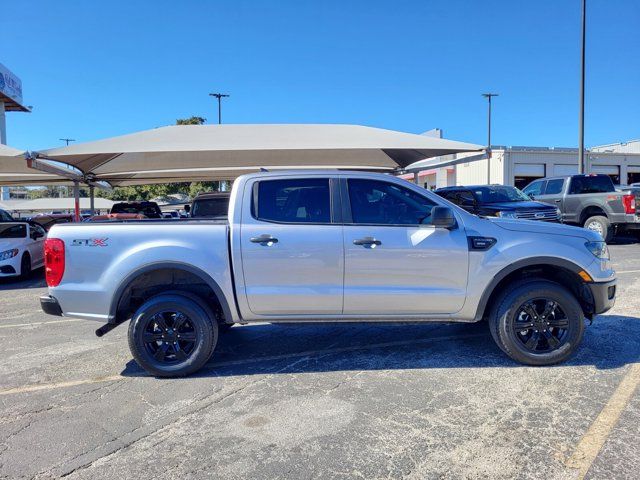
{"x": 543, "y": 215}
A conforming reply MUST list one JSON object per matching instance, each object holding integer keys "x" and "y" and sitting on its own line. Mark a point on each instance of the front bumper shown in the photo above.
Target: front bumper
{"x": 604, "y": 295}
{"x": 50, "y": 305}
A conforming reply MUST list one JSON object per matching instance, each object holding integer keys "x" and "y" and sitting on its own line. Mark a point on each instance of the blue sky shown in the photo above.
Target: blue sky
{"x": 98, "y": 69}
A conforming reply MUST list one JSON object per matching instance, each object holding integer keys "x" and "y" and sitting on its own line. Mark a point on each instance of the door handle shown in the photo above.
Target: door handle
{"x": 367, "y": 241}
{"x": 558, "y": 201}
{"x": 264, "y": 239}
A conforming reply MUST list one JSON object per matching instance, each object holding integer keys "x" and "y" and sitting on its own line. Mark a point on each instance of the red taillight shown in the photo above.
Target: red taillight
{"x": 53, "y": 261}
{"x": 629, "y": 202}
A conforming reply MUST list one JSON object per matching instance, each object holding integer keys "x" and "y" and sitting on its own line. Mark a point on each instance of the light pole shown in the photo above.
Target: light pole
{"x": 488, "y": 97}
{"x": 581, "y": 165}
{"x": 219, "y": 96}
{"x": 67, "y": 140}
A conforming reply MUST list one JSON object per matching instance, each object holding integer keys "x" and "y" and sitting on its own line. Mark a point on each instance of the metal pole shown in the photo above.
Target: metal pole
{"x": 219, "y": 96}
{"x": 76, "y": 196}
{"x": 488, "y": 97}
{"x": 92, "y": 200}
{"x": 3, "y": 125}
{"x": 489, "y": 145}
{"x": 416, "y": 178}
{"x": 581, "y": 164}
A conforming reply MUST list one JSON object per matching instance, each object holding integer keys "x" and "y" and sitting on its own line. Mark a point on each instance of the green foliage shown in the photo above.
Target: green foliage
{"x": 191, "y": 121}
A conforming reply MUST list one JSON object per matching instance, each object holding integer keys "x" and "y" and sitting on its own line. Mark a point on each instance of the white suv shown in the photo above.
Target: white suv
{"x": 21, "y": 248}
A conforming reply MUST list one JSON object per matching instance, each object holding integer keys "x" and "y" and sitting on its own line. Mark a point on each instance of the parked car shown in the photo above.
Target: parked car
{"x": 5, "y": 216}
{"x": 329, "y": 246}
{"x": 590, "y": 201}
{"x": 210, "y": 205}
{"x": 21, "y": 248}
{"x": 171, "y": 214}
{"x": 114, "y": 217}
{"x": 499, "y": 201}
{"x": 48, "y": 220}
{"x": 148, "y": 209}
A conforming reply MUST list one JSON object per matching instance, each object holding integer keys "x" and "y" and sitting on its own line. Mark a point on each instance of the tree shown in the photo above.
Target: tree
{"x": 191, "y": 121}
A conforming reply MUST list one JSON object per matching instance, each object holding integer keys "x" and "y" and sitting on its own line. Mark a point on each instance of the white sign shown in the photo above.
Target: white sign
{"x": 10, "y": 85}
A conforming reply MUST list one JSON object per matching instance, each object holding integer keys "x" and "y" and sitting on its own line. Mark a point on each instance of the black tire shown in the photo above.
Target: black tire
{"x": 509, "y": 317}
{"x": 169, "y": 352}
{"x": 600, "y": 224}
{"x": 25, "y": 266}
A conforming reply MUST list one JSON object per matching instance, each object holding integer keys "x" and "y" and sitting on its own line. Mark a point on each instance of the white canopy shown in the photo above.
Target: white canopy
{"x": 210, "y": 152}
{"x": 14, "y": 170}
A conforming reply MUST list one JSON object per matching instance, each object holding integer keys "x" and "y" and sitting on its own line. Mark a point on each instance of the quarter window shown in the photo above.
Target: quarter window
{"x": 304, "y": 200}
{"x": 382, "y": 203}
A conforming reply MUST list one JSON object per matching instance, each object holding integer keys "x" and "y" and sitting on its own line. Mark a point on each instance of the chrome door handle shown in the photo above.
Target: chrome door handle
{"x": 367, "y": 241}
{"x": 264, "y": 239}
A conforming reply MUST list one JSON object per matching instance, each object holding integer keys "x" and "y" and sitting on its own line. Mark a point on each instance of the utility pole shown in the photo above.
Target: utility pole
{"x": 219, "y": 96}
{"x": 488, "y": 97}
{"x": 67, "y": 140}
{"x": 581, "y": 163}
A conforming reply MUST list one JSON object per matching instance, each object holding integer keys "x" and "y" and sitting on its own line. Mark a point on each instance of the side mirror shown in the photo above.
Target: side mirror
{"x": 187, "y": 208}
{"x": 442, "y": 217}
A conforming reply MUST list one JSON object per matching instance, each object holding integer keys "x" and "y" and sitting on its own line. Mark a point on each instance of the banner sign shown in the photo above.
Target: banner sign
{"x": 10, "y": 85}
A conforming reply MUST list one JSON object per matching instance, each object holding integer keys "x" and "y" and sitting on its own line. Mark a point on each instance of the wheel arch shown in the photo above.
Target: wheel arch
{"x": 590, "y": 211}
{"x": 556, "y": 269}
{"x": 117, "y": 311}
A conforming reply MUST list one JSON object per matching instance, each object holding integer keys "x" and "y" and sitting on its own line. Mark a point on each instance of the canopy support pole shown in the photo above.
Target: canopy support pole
{"x": 76, "y": 196}
{"x": 92, "y": 200}
{"x": 416, "y": 178}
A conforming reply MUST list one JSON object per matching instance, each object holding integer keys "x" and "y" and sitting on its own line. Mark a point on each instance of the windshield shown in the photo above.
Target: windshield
{"x": 211, "y": 207}
{"x": 499, "y": 194}
{"x": 5, "y": 217}
{"x": 13, "y": 230}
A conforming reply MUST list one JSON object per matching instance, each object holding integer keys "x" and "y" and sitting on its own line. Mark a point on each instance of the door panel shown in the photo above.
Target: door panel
{"x": 395, "y": 269}
{"x": 292, "y": 255}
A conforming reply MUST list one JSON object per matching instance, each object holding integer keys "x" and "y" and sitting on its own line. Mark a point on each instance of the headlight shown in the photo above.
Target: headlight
{"x": 506, "y": 215}
{"x": 599, "y": 249}
{"x": 7, "y": 254}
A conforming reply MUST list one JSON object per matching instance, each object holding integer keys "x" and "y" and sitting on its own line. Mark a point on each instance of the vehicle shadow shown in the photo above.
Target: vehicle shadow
{"x": 611, "y": 342}
{"x": 16, "y": 283}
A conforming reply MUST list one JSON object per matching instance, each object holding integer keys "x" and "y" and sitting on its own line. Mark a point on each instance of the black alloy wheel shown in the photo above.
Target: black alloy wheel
{"x": 173, "y": 335}
{"x": 541, "y": 325}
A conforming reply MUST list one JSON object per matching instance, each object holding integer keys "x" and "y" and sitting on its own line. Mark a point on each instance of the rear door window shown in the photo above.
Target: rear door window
{"x": 296, "y": 200}
{"x": 554, "y": 187}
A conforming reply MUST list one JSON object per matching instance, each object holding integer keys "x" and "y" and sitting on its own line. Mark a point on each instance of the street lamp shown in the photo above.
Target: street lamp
{"x": 581, "y": 165}
{"x": 488, "y": 97}
{"x": 67, "y": 140}
{"x": 219, "y": 96}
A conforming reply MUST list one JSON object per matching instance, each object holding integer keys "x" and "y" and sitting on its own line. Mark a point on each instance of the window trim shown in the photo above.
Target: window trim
{"x": 346, "y": 206}
{"x": 332, "y": 198}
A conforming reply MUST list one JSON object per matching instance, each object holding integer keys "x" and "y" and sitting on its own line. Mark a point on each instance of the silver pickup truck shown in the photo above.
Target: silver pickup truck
{"x": 328, "y": 246}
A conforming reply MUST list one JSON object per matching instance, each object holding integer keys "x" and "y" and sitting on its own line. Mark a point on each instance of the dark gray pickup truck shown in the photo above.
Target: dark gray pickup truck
{"x": 590, "y": 201}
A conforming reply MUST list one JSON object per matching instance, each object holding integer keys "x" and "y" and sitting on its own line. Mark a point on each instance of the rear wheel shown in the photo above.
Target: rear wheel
{"x": 172, "y": 335}
{"x": 537, "y": 322}
{"x": 25, "y": 266}
{"x": 600, "y": 224}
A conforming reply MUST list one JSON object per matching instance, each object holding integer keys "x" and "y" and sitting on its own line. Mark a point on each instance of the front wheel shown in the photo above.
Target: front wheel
{"x": 172, "y": 335}
{"x": 537, "y": 322}
{"x": 25, "y": 267}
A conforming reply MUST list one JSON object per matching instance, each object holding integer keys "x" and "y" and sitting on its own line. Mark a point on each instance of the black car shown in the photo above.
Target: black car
{"x": 210, "y": 205}
{"x": 499, "y": 201}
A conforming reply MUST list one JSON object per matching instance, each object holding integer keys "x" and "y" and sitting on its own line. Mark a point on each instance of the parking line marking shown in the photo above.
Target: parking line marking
{"x": 50, "y": 386}
{"x": 592, "y": 442}
{"x": 627, "y": 271}
{"x": 14, "y": 325}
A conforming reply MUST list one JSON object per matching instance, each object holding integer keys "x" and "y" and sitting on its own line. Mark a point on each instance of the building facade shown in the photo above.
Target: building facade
{"x": 519, "y": 166}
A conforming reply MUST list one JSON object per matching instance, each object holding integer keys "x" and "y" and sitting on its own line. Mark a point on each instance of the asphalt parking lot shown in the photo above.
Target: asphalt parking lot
{"x": 346, "y": 401}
